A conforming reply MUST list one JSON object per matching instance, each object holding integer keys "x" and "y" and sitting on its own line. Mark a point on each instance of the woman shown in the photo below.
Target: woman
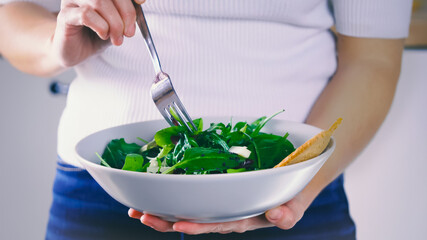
{"x": 231, "y": 57}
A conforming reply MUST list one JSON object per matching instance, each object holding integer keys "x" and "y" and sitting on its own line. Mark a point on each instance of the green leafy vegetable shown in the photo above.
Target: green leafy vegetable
{"x": 133, "y": 162}
{"x": 103, "y": 162}
{"x": 116, "y": 151}
{"x": 179, "y": 150}
{"x": 175, "y": 150}
{"x": 236, "y": 170}
{"x": 260, "y": 123}
{"x": 168, "y": 135}
{"x": 271, "y": 149}
{"x": 206, "y": 160}
{"x": 142, "y": 140}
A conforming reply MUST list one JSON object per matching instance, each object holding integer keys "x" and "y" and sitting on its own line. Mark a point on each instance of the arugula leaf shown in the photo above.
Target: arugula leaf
{"x": 115, "y": 152}
{"x": 204, "y": 160}
{"x": 216, "y": 126}
{"x": 145, "y": 166}
{"x": 133, "y": 162}
{"x": 142, "y": 140}
{"x": 257, "y": 122}
{"x": 103, "y": 162}
{"x": 165, "y": 150}
{"x": 178, "y": 152}
{"x": 199, "y": 124}
{"x": 259, "y": 125}
{"x": 149, "y": 146}
{"x": 223, "y": 129}
{"x": 211, "y": 140}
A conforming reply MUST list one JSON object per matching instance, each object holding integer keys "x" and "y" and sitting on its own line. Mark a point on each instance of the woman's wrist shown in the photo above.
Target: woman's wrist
{"x": 28, "y": 46}
{"x": 51, "y": 65}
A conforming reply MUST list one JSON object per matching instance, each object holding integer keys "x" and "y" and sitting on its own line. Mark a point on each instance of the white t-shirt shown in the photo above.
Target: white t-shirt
{"x": 228, "y": 58}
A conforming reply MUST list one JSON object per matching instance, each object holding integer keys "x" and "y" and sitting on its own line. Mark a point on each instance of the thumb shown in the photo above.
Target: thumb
{"x": 282, "y": 216}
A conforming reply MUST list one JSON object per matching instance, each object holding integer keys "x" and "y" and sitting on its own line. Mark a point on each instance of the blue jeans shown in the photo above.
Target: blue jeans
{"x": 81, "y": 209}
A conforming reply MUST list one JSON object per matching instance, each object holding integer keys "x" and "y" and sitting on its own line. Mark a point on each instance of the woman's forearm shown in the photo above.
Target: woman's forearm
{"x": 360, "y": 92}
{"x": 38, "y": 42}
{"x": 26, "y": 33}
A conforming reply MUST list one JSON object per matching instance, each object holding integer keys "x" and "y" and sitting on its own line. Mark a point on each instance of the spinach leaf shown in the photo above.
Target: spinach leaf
{"x": 238, "y": 126}
{"x": 237, "y": 139}
{"x": 171, "y": 135}
{"x": 115, "y": 152}
{"x": 203, "y": 159}
{"x": 271, "y": 149}
{"x": 133, "y": 162}
{"x": 168, "y": 135}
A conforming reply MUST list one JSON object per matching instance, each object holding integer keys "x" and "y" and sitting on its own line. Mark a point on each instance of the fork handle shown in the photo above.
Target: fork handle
{"x": 142, "y": 24}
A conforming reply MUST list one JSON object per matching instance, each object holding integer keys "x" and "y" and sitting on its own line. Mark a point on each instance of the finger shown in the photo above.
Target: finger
{"x": 235, "y": 226}
{"x": 134, "y": 213}
{"x": 109, "y": 12}
{"x": 157, "y": 223}
{"x": 140, "y": 1}
{"x": 283, "y": 217}
{"x": 128, "y": 15}
{"x": 200, "y": 228}
{"x": 85, "y": 16}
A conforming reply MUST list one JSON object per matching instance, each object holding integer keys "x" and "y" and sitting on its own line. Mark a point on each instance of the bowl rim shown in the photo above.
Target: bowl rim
{"x": 329, "y": 149}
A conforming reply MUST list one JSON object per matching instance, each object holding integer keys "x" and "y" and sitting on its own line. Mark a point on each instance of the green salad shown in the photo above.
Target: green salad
{"x": 221, "y": 148}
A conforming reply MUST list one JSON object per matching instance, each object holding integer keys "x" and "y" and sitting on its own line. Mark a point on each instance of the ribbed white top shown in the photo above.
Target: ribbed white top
{"x": 228, "y": 58}
{"x": 373, "y": 18}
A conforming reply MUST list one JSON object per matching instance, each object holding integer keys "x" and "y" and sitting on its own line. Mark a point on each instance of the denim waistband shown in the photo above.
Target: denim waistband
{"x": 62, "y": 165}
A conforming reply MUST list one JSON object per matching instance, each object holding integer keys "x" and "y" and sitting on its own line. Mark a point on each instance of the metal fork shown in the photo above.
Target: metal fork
{"x": 162, "y": 91}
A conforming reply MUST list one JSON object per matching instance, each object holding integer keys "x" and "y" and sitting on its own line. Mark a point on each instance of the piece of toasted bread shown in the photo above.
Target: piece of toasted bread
{"x": 312, "y": 148}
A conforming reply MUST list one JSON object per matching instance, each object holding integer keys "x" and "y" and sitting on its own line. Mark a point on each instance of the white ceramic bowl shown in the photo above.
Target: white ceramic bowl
{"x": 201, "y": 198}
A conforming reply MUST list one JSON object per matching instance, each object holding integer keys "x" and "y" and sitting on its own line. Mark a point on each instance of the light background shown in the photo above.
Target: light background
{"x": 386, "y": 186}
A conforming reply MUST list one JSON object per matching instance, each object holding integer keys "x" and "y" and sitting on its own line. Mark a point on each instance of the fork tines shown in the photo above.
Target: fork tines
{"x": 169, "y": 105}
{"x": 177, "y": 110}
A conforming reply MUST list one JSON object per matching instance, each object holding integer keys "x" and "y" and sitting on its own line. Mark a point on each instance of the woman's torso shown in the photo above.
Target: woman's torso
{"x": 228, "y": 58}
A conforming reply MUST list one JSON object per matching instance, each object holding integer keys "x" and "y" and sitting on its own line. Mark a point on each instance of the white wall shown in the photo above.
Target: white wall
{"x": 386, "y": 186}
{"x": 29, "y": 116}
